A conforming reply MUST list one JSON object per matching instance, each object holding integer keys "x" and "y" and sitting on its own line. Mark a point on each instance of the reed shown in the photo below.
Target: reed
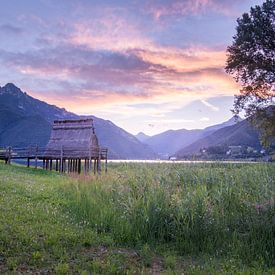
{"x": 211, "y": 208}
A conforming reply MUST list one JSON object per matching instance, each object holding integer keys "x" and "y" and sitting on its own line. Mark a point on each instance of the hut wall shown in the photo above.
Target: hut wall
{"x": 76, "y": 138}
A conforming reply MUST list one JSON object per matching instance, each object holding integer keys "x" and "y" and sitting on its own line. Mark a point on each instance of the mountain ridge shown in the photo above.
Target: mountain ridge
{"x": 25, "y": 120}
{"x": 169, "y": 142}
{"x": 241, "y": 133}
{"x": 142, "y": 137}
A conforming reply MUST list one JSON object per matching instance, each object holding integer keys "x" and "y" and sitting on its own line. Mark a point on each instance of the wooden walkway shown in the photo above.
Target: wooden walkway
{"x": 68, "y": 160}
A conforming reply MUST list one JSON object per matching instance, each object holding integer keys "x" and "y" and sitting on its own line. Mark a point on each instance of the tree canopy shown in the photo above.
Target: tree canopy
{"x": 251, "y": 60}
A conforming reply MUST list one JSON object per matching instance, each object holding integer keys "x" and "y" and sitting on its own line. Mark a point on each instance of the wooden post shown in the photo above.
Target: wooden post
{"x": 86, "y": 166}
{"x": 79, "y": 166}
{"x": 99, "y": 161}
{"x": 28, "y": 162}
{"x": 56, "y": 165}
{"x": 51, "y": 164}
{"x": 61, "y": 159}
{"x": 6, "y": 155}
{"x": 43, "y": 163}
{"x": 36, "y": 153}
{"x": 90, "y": 160}
{"x": 94, "y": 165}
{"x": 73, "y": 165}
{"x": 106, "y": 165}
{"x": 9, "y": 155}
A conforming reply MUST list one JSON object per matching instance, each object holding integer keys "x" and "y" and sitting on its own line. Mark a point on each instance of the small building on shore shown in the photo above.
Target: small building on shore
{"x": 73, "y": 141}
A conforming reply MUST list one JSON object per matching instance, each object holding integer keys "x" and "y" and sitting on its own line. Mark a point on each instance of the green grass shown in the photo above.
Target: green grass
{"x": 139, "y": 218}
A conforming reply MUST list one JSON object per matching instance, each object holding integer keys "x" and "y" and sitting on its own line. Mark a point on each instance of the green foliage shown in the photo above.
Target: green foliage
{"x": 147, "y": 255}
{"x": 170, "y": 262}
{"x": 251, "y": 60}
{"x": 62, "y": 268}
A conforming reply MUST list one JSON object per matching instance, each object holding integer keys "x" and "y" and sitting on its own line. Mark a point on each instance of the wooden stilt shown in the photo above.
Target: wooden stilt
{"x": 106, "y": 165}
{"x": 9, "y": 155}
{"x": 36, "y": 153}
{"x": 73, "y": 168}
{"x": 99, "y": 162}
{"x": 85, "y": 166}
{"x": 79, "y": 166}
{"x": 61, "y": 159}
{"x": 94, "y": 166}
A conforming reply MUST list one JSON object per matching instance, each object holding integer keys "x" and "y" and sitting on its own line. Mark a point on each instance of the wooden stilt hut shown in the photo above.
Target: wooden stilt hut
{"x": 72, "y": 145}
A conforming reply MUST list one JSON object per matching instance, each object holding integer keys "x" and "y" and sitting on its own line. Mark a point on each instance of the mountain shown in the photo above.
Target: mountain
{"x": 25, "y": 120}
{"x": 241, "y": 133}
{"x": 231, "y": 121}
{"x": 120, "y": 143}
{"x": 169, "y": 142}
{"x": 142, "y": 137}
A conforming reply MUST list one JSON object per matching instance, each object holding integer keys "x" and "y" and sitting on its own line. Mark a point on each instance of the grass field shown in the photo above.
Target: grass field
{"x": 139, "y": 219}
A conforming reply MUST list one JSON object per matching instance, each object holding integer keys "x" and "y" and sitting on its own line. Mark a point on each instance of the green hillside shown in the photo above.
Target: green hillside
{"x": 138, "y": 219}
{"x": 241, "y": 133}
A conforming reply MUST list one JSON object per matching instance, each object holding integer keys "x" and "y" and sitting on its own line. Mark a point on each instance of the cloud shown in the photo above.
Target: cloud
{"x": 159, "y": 9}
{"x": 99, "y": 76}
{"x": 10, "y": 29}
{"x": 204, "y": 119}
{"x": 170, "y": 121}
{"x": 110, "y": 59}
{"x": 211, "y": 106}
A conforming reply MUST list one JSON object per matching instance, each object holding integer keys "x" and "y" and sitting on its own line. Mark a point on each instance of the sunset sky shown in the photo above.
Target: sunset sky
{"x": 145, "y": 65}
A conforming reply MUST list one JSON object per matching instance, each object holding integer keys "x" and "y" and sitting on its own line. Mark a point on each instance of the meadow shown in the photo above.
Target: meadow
{"x": 139, "y": 219}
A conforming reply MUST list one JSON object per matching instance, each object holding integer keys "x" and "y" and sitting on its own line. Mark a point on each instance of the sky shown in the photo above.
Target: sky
{"x": 147, "y": 66}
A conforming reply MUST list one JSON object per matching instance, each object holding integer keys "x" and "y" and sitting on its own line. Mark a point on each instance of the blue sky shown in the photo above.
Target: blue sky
{"x": 146, "y": 65}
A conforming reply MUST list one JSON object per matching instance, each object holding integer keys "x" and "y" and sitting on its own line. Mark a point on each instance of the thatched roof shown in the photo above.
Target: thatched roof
{"x": 73, "y": 134}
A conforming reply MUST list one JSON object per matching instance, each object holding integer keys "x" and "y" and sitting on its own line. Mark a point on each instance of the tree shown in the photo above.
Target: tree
{"x": 251, "y": 60}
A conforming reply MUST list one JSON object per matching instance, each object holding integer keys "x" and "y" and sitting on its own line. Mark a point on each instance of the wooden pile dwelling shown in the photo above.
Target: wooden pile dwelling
{"x": 73, "y": 144}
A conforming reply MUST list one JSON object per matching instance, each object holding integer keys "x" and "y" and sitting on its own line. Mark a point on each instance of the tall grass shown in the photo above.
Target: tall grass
{"x": 219, "y": 209}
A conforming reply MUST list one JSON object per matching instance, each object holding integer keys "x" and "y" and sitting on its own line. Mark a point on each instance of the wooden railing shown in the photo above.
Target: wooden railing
{"x": 43, "y": 152}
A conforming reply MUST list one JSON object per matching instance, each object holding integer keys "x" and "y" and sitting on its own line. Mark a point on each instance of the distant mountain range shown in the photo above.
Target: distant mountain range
{"x": 142, "y": 137}
{"x": 25, "y": 120}
{"x": 169, "y": 142}
{"x": 241, "y": 133}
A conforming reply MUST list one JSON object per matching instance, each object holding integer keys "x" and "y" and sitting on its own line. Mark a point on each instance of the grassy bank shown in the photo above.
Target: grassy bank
{"x": 139, "y": 218}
